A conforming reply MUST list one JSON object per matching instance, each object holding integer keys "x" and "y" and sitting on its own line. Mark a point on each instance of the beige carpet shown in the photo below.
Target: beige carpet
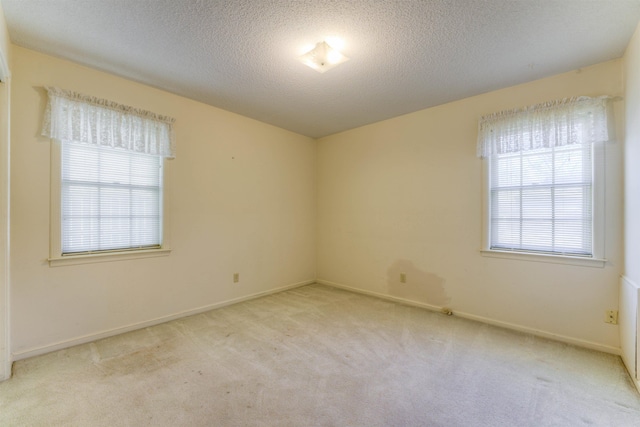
{"x": 318, "y": 356}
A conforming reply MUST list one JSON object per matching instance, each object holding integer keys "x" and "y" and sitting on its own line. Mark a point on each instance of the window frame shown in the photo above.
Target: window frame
{"x": 56, "y": 258}
{"x": 598, "y": 211}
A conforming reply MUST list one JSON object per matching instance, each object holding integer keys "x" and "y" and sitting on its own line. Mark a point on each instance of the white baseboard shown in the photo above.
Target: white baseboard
{"x": 379, "y": 295}
{"x": 635, "y": 382}
{"x": 116, "y": 331}
{"x": 141, "y": 325}
{"x": 544, "y": 334}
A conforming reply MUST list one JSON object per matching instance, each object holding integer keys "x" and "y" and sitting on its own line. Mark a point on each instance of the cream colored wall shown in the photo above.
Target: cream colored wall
{"x": 632, "y": 159}
{"x": 242, "y": 200}
{"x": 629, "y": 322}
{"x": 405, "y": 195}
{"x": 402, "y": 195}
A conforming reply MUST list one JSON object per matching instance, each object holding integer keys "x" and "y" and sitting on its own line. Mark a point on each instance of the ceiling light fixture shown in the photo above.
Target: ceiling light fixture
{"x": 323, "y": 57}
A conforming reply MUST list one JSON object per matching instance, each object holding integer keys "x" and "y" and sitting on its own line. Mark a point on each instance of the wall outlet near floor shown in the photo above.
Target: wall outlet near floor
{"x": 611, "y": 316}
{"x": 403, "y": 278}
{"x": 236, "y": 277}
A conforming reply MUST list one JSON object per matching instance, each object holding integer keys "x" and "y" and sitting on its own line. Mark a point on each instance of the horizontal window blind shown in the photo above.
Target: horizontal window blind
{"x": 111, "y": 199}
{"x": 541, "y": 200}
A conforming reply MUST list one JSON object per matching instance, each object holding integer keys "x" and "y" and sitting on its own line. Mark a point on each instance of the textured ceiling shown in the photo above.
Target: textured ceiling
{"x": 407, "y": 55}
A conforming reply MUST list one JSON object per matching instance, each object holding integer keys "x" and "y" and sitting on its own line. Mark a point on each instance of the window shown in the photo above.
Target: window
{"x": 541, "y": 200}
{"x": 111, "y": 199}
{"x": 108, "y": 194}
{"x": 545, "y": 178}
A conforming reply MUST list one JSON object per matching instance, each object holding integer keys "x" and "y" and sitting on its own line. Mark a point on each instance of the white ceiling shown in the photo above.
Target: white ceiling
{"x": 241, "y": 55}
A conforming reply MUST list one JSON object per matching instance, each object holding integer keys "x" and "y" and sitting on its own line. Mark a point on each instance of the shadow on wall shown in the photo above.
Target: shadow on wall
{"x": 419, "y": 286}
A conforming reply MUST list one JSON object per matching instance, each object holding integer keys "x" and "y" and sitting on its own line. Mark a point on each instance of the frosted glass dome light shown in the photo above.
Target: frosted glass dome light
{"x": 323, "y": 57}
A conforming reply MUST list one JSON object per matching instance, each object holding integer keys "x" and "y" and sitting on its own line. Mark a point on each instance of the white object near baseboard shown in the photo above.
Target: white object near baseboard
{"x": 628, "y": 320}
{"x": 5, "y": 102}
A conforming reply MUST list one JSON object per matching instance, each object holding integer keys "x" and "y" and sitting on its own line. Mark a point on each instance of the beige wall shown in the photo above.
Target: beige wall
{"x": 242, "y": 200}
{"x": 632, "y": 159}
{"x": 630, "y": 283}
{"x": 402, "y": 195}
{"x": 405, "y": 195}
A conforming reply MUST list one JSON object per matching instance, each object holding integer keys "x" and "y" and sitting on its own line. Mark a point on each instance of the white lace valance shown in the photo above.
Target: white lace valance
{"x": 580, "y": 120}
{"x": 71, "y": 116}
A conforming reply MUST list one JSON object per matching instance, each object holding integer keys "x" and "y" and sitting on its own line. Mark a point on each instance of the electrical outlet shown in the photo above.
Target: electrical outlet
{"x": 236, "y": 277}
{"x": 403, "y": 278}
{"x": 611, "y": 317}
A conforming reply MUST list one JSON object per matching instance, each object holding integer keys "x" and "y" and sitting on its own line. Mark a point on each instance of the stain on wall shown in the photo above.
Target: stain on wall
{"x": 419, "y": 285}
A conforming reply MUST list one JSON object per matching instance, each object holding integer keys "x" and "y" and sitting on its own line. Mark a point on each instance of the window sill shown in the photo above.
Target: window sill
{"x": 553, "y": 259}
{"x": 107, "y": 257}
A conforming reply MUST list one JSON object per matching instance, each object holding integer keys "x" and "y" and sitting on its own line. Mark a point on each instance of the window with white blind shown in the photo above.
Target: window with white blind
{"x": 542, "y": 200}
{"x": 110, "y": 199}
{"x": 545, "y": 178}
{"x": 108, "y": 192}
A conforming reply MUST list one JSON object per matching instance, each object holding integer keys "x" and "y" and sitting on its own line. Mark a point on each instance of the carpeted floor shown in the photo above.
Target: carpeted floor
{"x": 318, "y": 356}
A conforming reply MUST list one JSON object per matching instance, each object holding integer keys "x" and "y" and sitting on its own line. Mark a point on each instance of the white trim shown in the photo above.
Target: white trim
{"x": 548, "y": 258}
{"x": 6, "y": 360}
{"x": 598, "y": 210}
{"x": 107, "y": 256}
{"x": 543, "y": 334}
{"x": 629, "y": 323}
{"x": 55, "y": 195}
{"x": 598, "y": 207}
{"x": 636, "y": 383}
{"x": 486, "y": 206}
{"x": 56, "y": 259}
{"x": 506, "y": 325}
{"x": 380, "y": 295}
{"x": 5, "y": 73}
{"x": 37, "y": 351}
